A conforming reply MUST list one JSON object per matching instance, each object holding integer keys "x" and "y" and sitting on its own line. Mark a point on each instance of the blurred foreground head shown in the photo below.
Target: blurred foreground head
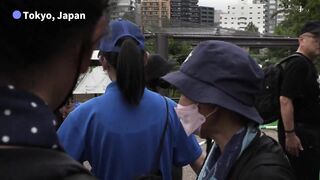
{"x": 43, "y": 56}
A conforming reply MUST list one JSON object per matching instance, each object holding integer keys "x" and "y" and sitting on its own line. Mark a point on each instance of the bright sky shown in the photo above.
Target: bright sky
{"x": 217, "y": 4}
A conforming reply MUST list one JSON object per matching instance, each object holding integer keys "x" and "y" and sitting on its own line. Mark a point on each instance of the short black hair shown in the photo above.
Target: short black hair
{"x": 27, "y": 42}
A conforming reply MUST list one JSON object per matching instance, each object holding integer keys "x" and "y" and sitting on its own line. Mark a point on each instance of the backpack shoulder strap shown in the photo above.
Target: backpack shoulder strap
{"x": 159, "y": 151}
{"x": 288, "y": 58}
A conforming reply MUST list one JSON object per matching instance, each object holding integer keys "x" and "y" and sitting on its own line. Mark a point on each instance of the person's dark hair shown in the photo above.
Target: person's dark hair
{"x": 129, "y": 66}
{"x": 29, "y": 43}
{"x": 157, "y": 67}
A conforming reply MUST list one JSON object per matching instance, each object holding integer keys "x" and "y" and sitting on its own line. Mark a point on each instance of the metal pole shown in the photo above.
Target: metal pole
{"x": 162, "y": 45}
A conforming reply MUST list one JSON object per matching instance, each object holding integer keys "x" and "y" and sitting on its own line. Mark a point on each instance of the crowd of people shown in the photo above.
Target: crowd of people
{"x": 133, "y": 131}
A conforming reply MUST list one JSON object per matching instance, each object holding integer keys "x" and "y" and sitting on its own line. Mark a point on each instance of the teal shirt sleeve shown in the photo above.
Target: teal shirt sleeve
{"x": 186, "y": 148}
{"x": 72, "y": 134}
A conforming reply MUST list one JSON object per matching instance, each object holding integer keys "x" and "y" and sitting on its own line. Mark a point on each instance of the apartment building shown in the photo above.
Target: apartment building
{"x": 185, "y": 11}
{"x": 238, "y": 16}
{"x": 120, "y": 7}
{"x": 206, "y": 15}
{"x": 155, "y": 12}
{"x": 273, "y": 15}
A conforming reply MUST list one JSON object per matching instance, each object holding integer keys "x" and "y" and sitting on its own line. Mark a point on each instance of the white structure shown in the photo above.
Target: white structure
{"x": 94, "y": 81}
{"x": 241, "y": 14}
{"x": 120, "y": 7}
{"x": 217, "y": 16}
{"x": 272, "y": 15}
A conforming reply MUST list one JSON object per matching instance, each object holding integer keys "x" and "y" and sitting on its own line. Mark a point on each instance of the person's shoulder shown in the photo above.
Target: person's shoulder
{"x": 90, "y": 104}
{"x": 264, "y": 159}
{"x": 170, "y": 101}
{"x": 298, "y": 60}
{"x": 42, "y": 163}
{"x": 267, "y": 151}
{"x": 154, "y": 96}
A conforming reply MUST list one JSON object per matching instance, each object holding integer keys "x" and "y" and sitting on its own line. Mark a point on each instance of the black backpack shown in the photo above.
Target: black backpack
{"x": 267, "y": 101}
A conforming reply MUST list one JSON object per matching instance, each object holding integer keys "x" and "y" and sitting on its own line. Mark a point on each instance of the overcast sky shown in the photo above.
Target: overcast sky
{"x": 217, "y": 4}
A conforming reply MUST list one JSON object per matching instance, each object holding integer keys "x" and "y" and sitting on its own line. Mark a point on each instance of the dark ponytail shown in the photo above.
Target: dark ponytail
{"x": 129, "y": 66}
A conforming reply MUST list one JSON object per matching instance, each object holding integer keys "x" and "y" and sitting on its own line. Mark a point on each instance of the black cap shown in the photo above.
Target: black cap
{"x": 311, "y": 27}
{"x": 157, "y": 67}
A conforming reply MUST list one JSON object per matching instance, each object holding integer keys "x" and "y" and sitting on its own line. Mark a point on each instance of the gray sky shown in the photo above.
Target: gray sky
{"x": 217, "y": 4}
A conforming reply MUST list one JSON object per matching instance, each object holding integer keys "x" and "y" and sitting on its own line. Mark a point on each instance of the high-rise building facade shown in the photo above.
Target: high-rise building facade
{"x": 206, "y": 15}
{"x": 120, "y": 7}
{"x": 272, "y": 15}
{"x": 155, "y": 12}
{"x": 185, "y": 11}
{"x": 217, "y": 16}
{"x": 238, "y": 16}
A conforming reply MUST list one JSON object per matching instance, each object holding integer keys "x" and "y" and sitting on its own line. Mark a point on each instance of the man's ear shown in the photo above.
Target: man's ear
{"x": 146, "y": 57}
{"x": 104, "y": 63}
{"x": 97, "y": 34}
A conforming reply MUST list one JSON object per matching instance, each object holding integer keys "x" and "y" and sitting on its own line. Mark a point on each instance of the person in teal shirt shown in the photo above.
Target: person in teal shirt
{"x": 119, "y": 132}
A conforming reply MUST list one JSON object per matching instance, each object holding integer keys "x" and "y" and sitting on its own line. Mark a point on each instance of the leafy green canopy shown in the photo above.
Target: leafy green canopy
{"x": 297, "y": 13}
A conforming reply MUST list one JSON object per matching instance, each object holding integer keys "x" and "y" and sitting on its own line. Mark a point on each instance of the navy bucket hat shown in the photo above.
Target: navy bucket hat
{"x": 223, "y": 74}
{"x": 121, "y": 28}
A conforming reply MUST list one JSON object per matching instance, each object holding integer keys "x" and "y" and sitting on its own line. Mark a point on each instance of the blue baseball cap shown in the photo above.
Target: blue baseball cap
{"x": 223, "y": 74}
{"x": 119, "y": 29}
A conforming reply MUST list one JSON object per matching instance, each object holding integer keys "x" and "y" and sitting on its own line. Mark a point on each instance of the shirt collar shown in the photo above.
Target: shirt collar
{"x": 25, "y": 120}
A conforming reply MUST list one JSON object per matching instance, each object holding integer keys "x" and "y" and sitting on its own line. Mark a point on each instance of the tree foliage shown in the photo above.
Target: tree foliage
{"x": 179, "y": 50}
{"x": 251, "y": 28}
{"x": 297, "y": 12}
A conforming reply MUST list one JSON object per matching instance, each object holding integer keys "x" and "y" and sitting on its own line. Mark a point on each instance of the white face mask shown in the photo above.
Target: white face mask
{"x": 190, "y": 118}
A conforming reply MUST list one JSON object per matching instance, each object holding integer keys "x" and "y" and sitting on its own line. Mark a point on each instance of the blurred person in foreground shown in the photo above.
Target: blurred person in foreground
{"x": 39, "y": 65}
{"x": 120, "y": 132}
{"x": 218, "y": 82}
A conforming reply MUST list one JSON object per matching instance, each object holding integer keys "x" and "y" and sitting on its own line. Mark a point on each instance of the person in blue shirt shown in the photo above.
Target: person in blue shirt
{"x": 119, "y": 132}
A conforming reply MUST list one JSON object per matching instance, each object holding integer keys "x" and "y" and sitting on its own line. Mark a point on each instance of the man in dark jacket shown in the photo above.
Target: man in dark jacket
{"x": 44, "y": 47}
{"x": 299, "y": 129}
{"x": 218, "y": 82}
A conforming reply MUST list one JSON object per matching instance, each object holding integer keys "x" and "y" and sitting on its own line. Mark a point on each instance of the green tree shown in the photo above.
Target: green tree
{"x": 251, "y": 28}
{"x": 297, "y": 12}
{"x": 179, "y": 50}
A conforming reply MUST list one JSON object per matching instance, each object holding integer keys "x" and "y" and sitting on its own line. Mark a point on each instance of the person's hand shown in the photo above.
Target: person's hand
{"x": 293, "y": 144}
